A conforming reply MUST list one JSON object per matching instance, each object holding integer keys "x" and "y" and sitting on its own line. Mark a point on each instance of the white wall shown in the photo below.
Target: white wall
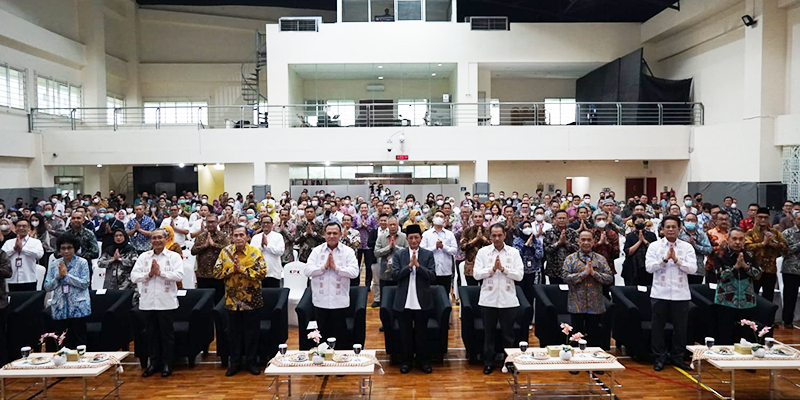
{"x": 13, "y": 172}
{"x": 394, "y": 89}
{"x": 219, "y": 84}
{"x": 531, "y": 90}
{"x": 59, "y": 17}
{"x": 238, "y": 178}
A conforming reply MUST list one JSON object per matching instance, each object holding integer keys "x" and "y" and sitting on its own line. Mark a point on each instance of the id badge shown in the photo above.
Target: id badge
{"x": 529, "y": 263}
{"x": 389, "y": 261}
{"x": 114, "y": 272}
{"x": 18, "y": 262}
{"x": 65, "y": 289}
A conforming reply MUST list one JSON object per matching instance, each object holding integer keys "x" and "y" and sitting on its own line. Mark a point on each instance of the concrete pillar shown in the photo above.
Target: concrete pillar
{"x": 278, "y": 178}
{"x": 131, "y": 40}
{"x": 91, "y": 18}
{"x": 481, "y": 185}
{"x": 260, "y": 173}
{"x": 466, "y": 93}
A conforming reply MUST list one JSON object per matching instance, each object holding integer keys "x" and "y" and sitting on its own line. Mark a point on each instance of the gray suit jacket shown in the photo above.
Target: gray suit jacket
{"x": 383, "y": 251}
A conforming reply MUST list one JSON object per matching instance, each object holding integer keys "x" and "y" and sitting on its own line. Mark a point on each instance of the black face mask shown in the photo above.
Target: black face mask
{"x": 639, "y": 226}
{"x": 631, "y": 204}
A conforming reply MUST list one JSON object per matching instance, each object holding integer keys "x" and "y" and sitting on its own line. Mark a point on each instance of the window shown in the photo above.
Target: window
{"x": 559, "y": 111}
{"x": 176, "y": 112}
{"x": 409, "y": 10}
{"x": 12, "y": 87}
{"x": 55, "y": 97}
{"x": 112, "y": 102}
{"x": 413, "y": 110}
{"x": 494, "y": 112}
{"x": 345, "y": 109}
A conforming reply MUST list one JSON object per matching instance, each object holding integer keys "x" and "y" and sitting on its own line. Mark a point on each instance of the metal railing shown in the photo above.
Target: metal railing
{"x": 368, "y": 115}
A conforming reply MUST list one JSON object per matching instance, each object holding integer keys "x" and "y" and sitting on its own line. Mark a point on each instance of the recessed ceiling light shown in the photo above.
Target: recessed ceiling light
{"x": 181, "y": 165}
{"x": 402, "y": 162}
{"x": 380, "y": 78}
{"x": 433, "y": 74}
{"x": 438, "y": 65}
{"x": 327, "y": 163}
{"x": 219, "y": 167}
{"x": 380, "y": 66}
{"x": 99, "y": 165}
{"x": 371, "y": 163}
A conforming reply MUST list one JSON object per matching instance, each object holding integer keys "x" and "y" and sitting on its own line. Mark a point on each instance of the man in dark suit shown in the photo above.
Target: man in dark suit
{"x": 414, "y": 270}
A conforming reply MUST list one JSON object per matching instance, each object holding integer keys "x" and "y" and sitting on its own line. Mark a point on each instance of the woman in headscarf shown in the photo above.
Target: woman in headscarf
{"x": 39, "y": 231}
{"x": 118, "y": 259}
{"x": 170, "y": 243}
{"x": 415, "y": 218}
{"x": 531, "y": 251}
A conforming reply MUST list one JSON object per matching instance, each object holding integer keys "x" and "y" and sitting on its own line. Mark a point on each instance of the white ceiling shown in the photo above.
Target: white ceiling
{"x": 540, "y": 70}
{"x": 373, "y": 71}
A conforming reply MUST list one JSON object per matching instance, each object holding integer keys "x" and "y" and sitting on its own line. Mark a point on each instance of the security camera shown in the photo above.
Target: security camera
{"x": 389, "y": 145}
{"x": 402, "y": 138}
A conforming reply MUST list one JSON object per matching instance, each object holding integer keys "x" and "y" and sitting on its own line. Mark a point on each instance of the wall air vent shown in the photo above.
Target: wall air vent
{"x": 300, "y": 24}
{"x": 488, "y": 23}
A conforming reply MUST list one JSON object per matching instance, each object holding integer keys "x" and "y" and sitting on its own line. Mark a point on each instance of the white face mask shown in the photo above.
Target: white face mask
{"x": 527, "y": 231}
{"x": 34, "y": 223}
{"x": 733, "y": 205}
{"x": 438, "y": 221}
{"x": 600, "y": 224}
{"x": 513, "y": 196}
{"x": 540, "y": 217}
{"x": 129, "y": 210}
{"x": 426, "y": 210}
{"x": 153, "y": 209}
{"x": 347, "y": 202}
{"x": 491, "y": 198}
{"x": 587, "y": 201}
{"x": 4, "y": 227}
{"x": 101, "y": 215}
{"x": 439, "y": 202}
{"x": 96, "y": 200}
{"x": 204, "y": 201}
{"x": 419, "y": 218}
{"x": 569, "y": 198}
{"x": 283, "y": 197}
{"x": 314, "y": 203}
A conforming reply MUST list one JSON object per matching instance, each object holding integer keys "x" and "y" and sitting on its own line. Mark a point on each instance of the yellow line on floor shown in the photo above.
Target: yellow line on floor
{"x": 686, "y": 374}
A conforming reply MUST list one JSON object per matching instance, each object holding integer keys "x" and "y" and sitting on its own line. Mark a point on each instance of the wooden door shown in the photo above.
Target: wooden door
{"x": 634, "y": 187}
{"x": 569, "y": 186}
{"x": 652, "y": 188}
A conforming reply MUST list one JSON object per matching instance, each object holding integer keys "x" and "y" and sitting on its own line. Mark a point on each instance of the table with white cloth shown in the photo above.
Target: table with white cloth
{"x": 329, "y": 368}
{"x": 84, "y": 369}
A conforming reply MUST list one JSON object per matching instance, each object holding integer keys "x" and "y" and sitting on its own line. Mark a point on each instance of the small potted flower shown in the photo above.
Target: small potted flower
{"x": 57, "y": 339}
{"x": 758, "y": 348}
{"x": 317, "y": 353}
{"x": 565, "y": 351}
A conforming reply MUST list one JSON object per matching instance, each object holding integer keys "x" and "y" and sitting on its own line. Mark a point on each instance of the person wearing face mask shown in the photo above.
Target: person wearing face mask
{"x": 767, "y": 244}
{"x": 613, "y": 220}
{"x": 532, "y": 252}
{"x": 207, "y": 246}
{"x": 733, "y": 211}
{"x": 572, "y": 209}
{"x": 606, "y": 240}
{"x": 492, "y": 200}
{"x": 718, "y": 237}
{"x": 472, "y": 240}
{"x": 688, "y": 206}
{"x": 104, "y": 233}
{"x": 539, "y": 225}
{"x": 39, "y": 231}
{"x": 347, "y": 207}
{"x": 139, "y": 229}
{"x": 443, "y": 244}
{"x": 179, "y": 224}
{"x": 549, "y": 213}
{"x": 227, "y": 221}
{"x": 156, "y": 214}
{"x": 583, "y": 219}
{"x": 524, "y": 214}
{"x": 636, "y": 243}
{"x": 118, "y": 260}
{"x": 24, "y": 252}
{"x": 788, "y": 222}
{"x": 415, "y": 218}
{"x": 692, "y": 234}
{"x": 467, "y": 200}
{"x": 272, "y": 247}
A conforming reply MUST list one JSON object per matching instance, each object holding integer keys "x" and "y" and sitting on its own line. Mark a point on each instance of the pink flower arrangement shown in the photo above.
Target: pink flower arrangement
{"x": 58, "y": 339}
{"x": 566, "y": 328}
{"x": 576, "y": 337}
{"x": 315, "y": 336}
{"x": 764, "y": 331}
{"x": 758, "y": 334}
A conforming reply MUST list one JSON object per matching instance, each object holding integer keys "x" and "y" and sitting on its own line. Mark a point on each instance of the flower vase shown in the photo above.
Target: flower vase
{"x": 760, "y": 352}
{"x": 60, "y": 359}
{"x": 317, "y": 359}
{"x": 565, "y": 355}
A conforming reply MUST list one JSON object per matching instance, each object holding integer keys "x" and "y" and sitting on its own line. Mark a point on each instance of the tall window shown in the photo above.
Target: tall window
{"x": 56, "y": 97}
{"x": 12, "y": 87}
{"x": 413, "y": 110}
{"x": 345, "y": 109}
{"x": 559, "y": 111}
{"x": 113, "y": 101}
{"x": 176, "y": 112}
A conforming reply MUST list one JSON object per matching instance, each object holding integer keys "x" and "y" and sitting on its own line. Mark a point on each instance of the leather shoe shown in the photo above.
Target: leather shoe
{"x": 682, "y": 365}
{"x": 232, "y": 370}
{"x": 659, "y": 365}
{"x": 405, "y": 368}
{"x": 426, "y": 368}
{"x": 574, "y": 372}
{"x": 167, "y": 371}
{"x": 487, "y": 369}
{"x": 253, "y": 369}
{"x": 380, "y": 329}
{"x": 148, "y": 372}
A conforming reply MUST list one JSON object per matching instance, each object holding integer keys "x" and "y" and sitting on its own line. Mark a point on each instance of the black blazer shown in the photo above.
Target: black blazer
{"x": 426, "y": 274}
{"x": 372, "y": 238}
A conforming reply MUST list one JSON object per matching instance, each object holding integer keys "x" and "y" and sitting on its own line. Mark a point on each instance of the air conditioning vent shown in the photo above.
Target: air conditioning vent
{"x": 488, "y": 23}
{"x": 300, "y": 24}
{"x": 375, "y": 88}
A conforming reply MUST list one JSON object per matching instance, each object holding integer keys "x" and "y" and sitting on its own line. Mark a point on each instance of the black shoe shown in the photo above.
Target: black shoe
{"x": 149, "y": 371}
{"x": 380, "y": 329}
{"x": 167, "y": 371}
{"x": 788, "y": 325}
{"x": 375, "y": 304}
{"x": 682, "y": 365}
{"x": 574, "y": 372}
{"x": 658, "y": 366}
{"x": 254, "y": 370}
{"x": 426, "y": 368}
{"x": 405, "y": 368}
{"x": 232, "y": 370}
{"x": 599, "y": 372}
{"x": 488, "y": 369}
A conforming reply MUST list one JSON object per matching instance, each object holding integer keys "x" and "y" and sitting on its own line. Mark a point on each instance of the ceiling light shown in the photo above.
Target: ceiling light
{"x": 327, "y": 163}
{"x": 402, "y": 162}
{"x": 219, "y": 167}
{"x": 380, "y": 66}
{"x": 181, "y": 165}
{"x": 99, "y": 165}
{"x": 380, "y": 78}
{"x": 371, "y": 163}
{"x": 433, "y": 74}
{"x": 438, "y": 65}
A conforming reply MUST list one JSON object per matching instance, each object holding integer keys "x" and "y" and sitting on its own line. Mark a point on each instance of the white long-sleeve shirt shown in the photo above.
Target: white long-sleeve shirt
{"x": 158, "y": 292}
{"x": 497, "y": 288}
{"x": 24, "y": 270}
{"x": 271, "y": 253}
{"x": 330, "y": 289}
{"x": 442, "y": 257}
{"x": 670, "y": 280}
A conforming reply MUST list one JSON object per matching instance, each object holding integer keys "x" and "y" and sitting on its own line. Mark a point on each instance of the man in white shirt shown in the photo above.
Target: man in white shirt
{"x": 179, "y": 224}
{"x": 197, "y": 224}
{"x": 156, "y": 273}
{"x": 498, "y": 266}
{"x": 670, "y": 261}
{"x": 272, "y": 247}
{"x": 330, "y": 266}
{"x": 444, "y": 247}
{"x": 24, "y": 253}
{"x": 539, "y": 225}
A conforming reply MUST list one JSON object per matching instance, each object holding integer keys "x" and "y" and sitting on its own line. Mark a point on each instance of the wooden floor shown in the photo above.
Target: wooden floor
{"x": 455, "y": 379}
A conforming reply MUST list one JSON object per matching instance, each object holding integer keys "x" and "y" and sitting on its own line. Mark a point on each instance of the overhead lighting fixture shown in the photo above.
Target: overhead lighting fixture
{"x": 380, "y": 66}
{"x": 327, "y": 163}
{"x": 433, "y": 74}
{"x": 371, "y": 164}
{"x": 181, "y": 165}
{"x": 99, "y": 165}
{"x": 219, "y": 167}
{"x": 438, "y": 65}
{"x": 380, "y": 78}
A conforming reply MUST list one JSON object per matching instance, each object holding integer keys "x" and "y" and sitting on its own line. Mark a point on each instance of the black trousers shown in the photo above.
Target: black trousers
{"x": 711, "y": 277}
{"x": 589, "y": 325}
{"x": 695, "y": 279}
{"x": 331, "y": 323}
{"x": 728, "y": 328}
{"x": 210, "y": 283}
{"x": 676, "y": 312}
{"x": 767, "y": 283}
{"x": 527, "y": 283}
{"x": 445, "y": 281}
{"x": 243, "y": 331}
{"x": 490, "y": 317}
{"x": 791, "y": 283}
{"x": 271, "y": 282}
{"x": 3, "y": 353}
{"x": 369, "y": 258}
{"x": 555, "y": 280}
{"x": 22, "y": 287}
{"x": 161, "y": 334}
{"x": 76, "y": 331}
{"x": 471, "y": 281}
{"x": 413, "y": 336}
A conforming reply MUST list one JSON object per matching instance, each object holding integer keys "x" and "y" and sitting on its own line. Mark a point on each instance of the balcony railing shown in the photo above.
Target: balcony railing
{"x": 368, "y": 115}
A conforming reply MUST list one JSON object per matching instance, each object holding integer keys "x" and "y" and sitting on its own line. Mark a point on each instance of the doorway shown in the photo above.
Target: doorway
{"x": 640, "y": 186}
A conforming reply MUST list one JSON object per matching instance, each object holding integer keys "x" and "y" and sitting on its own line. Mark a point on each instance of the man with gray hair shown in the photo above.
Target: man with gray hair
{"x": 387, "y": 244}
{"x": 606, "y": 240}
{"x": 89, "y": 249}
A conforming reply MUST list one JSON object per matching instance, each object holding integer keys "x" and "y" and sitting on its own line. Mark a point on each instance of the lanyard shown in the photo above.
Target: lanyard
{"x": 23, "y": 245}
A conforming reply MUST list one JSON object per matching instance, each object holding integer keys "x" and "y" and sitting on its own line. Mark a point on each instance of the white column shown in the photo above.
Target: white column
{"x": 466, "y": 113}
{"x": 91, "y": 25}
{"x": 481, "y": 185}
{"x": 339, "y": 11}
{"x": 131, "y": 41}
{"x": 260, "y": 173}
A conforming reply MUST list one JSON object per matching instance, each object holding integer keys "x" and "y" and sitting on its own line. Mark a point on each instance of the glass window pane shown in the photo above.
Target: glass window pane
{"x": 383, "y": 10}
{"x": 422, "y": 171}
{"x": 389, "y": 169}
{"x": 333, "y": 172}
{"x": 316, "y": 172}
{"x": 355, "y": 10}
{"x": 409, "y": 10}
{"x": 349, "y": 172}
{"x": 453, "y": 171}
{"x": 365, "y": 169}
{"x": 438, "y": 10}
{"x": 438, "y": 171}
{"x": 406, "y": 169}
{"x": 298, "y": 172}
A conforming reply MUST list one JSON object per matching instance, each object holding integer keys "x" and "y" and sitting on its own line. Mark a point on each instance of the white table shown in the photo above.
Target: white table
{"x": 45, "y": 374}
{"x": 365, "y": 383}
{"x": 606, "y": 390}
{"x": 739, "y": 364}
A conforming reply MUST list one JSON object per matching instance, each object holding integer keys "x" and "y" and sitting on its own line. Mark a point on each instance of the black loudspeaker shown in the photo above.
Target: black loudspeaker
{"x": 772, "y": 195}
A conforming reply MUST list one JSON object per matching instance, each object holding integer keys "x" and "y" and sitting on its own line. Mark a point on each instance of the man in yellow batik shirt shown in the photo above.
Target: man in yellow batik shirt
{"x": 242, "y": 267}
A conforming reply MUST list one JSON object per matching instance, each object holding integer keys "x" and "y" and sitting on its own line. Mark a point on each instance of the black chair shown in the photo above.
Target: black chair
{"x": 25, "y": 324}
{"x": 705, "y": 322}
{"x": 633, "y": 321}
{"x": 356, "y": 320}
{"x": 108, "y": 327}
{"x": 472, "y": 328}
{"x": 437, "y": 329}
{"x": 551, "y": 311}
{"x": 273, "y": 321}
{"x": 194, "y": 327}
